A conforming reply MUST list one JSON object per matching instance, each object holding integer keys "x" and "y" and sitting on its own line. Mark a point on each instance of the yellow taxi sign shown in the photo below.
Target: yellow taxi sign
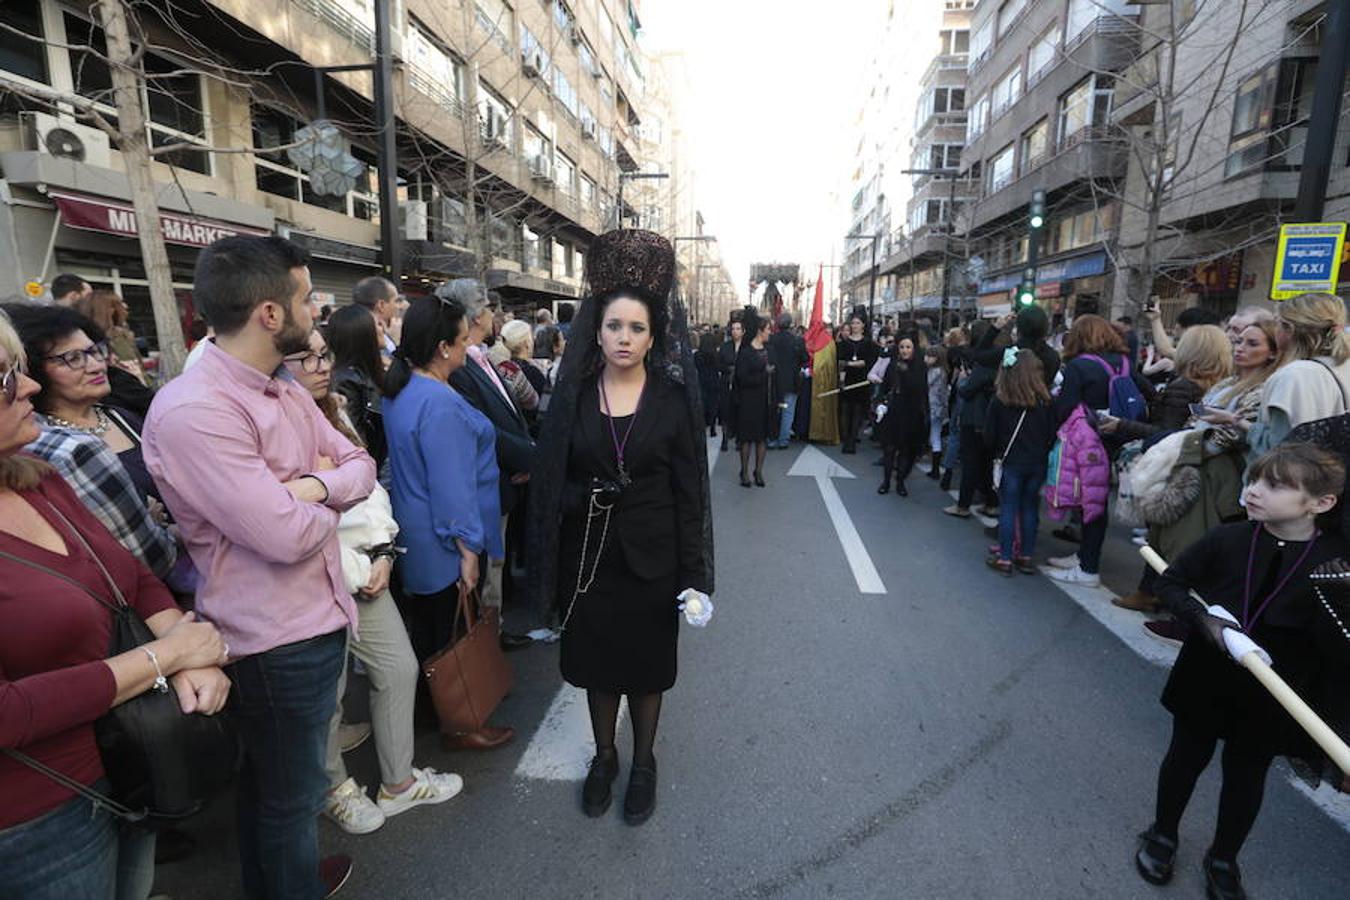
{"x": 1308, "y": 259}
{"x": 33, "y": 289}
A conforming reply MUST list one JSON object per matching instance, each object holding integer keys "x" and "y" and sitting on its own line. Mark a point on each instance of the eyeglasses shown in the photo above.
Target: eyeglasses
{"x": 9, "y": 383}
{"x": 78, "y": 360}
{"x": 312, "y": 362}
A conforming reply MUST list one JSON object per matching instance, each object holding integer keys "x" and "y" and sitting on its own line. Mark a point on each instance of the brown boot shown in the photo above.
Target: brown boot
{"x": 1138, "y": 601}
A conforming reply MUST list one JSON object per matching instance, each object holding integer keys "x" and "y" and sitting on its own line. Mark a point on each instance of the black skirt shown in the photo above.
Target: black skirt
{"x": 622, "y": 636}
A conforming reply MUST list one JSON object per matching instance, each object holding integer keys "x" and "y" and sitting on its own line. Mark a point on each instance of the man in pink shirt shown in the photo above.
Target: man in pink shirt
{"x": 256, "y": 479}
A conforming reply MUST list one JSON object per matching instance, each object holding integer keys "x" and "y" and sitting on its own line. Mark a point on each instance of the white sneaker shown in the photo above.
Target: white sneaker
{"x": 429, "y": 786}
{"x": 1063, "y": 562}
{"x": 1075, "y": 576}
{"x": 351, "y": 810}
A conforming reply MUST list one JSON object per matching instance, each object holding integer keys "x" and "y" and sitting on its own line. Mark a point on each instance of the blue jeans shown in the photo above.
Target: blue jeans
{"x": 282, "y": 701}
{"x": 951, "y": 459}
{"x": 787, "y": 408}
{"x": 1019, "y": 504}
{"x": 78, "y": 851}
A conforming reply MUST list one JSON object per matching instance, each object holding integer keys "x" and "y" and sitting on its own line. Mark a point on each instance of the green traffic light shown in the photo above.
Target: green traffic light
{"x": 1026, "y": 299}
{"x": 1037, "y": 221}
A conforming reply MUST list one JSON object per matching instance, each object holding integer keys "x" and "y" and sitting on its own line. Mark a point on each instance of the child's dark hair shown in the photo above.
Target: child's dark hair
{"x": 1022, "y": 385}
{"x": 1305, "y": 467}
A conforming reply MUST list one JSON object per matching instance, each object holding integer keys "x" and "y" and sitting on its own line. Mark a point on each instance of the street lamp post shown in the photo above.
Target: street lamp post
{"x": 872, "y": 283}
{"x": 625, "y": 176}
{"x": 951, "y": 175}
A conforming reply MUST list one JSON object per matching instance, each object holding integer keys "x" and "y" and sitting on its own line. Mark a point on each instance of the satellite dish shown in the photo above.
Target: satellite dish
{"x": 64, "y": 143}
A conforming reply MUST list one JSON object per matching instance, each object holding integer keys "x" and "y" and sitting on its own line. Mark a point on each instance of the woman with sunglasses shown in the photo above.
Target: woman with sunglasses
{"x": 366, "y": 533}
{"x": 96, "y": 447}
{"x": 56, "y": 679}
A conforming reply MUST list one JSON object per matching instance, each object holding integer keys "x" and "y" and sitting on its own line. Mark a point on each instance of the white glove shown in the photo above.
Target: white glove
{"x": 881, "y": 411}
{"x": 696, "y": 606}
{"x": 1237, "y": 643}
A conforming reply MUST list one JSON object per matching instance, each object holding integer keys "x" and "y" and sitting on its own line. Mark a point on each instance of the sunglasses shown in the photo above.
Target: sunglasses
{"x": 9, "y": 384}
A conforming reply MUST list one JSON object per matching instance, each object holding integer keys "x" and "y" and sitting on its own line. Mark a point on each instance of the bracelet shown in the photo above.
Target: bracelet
{"x": 161, "y": 683}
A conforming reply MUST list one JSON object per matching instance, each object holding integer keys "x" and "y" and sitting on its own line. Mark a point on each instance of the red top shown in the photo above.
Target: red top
{"x": 53, "y": 642}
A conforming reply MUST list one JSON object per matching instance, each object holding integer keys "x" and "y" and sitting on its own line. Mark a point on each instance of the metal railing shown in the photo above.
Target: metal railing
{"x": 1103, "y": 25}
{"x": 340, "y": 20}
{"x": 432, "y": 89}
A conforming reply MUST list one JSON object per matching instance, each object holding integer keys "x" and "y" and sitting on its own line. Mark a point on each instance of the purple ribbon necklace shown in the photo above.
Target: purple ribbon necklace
{"x": 621, "y": 445}
{"x": 1249, "y": 618}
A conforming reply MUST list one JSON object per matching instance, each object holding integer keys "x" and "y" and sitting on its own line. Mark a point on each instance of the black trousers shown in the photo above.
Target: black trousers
{"x": 899, "y": 461}
{"x": 852, "y": 416}
{"x": 977, "y": 470}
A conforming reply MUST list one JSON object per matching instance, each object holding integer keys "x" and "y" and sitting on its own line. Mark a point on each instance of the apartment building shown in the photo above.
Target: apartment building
{"x": 1041, "y": 86}
{"x": 924, "y": 248}
{"x": 1236, "y": 117}
{"x": 514, "y": 122}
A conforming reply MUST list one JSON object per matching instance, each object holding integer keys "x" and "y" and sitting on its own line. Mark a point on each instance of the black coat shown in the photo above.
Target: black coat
{"x": 755, "y": 401}
{"x": 905, "y": 393}
{"x": 787, "y": 352}
{"x": 1031, "y": 449}
{"x": 515, "y": 447}
{"x": 848, "y": 351}
{"x": 726, "y": 365}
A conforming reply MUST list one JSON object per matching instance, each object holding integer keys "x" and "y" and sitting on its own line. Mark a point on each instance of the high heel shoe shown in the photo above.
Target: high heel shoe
{"x": 901, "y": 490}
{"x": 885, "y": 487}
{"x": 745, "y": 482}
{"x": 759, "y": 479}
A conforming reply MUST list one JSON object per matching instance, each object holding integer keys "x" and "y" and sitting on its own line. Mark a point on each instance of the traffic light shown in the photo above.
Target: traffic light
{"x": 1026, "y": 291}
{"x": 1037, "y": 217}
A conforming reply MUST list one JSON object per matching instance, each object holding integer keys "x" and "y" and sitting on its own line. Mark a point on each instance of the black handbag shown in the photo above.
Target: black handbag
{"x": 164, "y": 765}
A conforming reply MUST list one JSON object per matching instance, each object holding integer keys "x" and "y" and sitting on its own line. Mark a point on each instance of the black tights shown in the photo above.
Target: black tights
{"x": 645, "y": 711}
{"x": 761, "y": 451}
{"x": 1244, "y": 784}
{"x": 896, "y": 457}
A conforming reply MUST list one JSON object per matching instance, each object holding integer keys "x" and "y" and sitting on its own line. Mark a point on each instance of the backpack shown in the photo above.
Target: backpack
{"x": 1125, "y": 401}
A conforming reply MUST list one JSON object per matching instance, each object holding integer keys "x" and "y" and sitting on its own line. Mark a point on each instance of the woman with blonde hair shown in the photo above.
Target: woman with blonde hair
{"x": 1204, "y": 357}
{"x": 1312, "y": 379}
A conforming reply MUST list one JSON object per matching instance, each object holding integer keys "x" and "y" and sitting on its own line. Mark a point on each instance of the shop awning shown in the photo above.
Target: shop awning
{"x": 92, "y": 213}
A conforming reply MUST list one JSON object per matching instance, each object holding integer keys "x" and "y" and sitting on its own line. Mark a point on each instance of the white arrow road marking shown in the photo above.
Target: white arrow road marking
{"x": 562, "y": 746}
{"x": 814, "y": 464}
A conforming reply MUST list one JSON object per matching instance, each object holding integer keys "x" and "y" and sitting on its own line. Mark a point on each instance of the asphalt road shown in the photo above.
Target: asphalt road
{"x": 958, "y": 736}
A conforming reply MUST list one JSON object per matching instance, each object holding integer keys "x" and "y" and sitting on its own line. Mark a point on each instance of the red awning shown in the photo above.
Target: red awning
{"x": 115, "y": 217}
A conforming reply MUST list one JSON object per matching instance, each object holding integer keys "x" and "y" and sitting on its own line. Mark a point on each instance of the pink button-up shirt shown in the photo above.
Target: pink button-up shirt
{"x": 220, "y": 441}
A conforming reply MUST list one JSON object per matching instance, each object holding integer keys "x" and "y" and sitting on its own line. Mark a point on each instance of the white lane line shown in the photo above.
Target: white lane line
{"x": 562, "y": 745}
{"x": 814, "y": 464}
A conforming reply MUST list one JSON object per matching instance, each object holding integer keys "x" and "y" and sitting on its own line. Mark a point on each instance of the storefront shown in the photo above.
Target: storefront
{"x": 1069, "y": 286}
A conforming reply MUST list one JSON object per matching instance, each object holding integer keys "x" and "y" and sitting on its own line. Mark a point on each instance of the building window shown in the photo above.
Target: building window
{"x": 606, "y": 90}
{"x": 944, "y": 156}
{"x": 493, "y": 107}
{"x": 434, "y": 71}
{"x": 954, "y": 41}
{"x": 564, "y": 172}
{"x": 587, "y": 57}
{"x": 587, "y": 191}
{"x": 1042, "y": 53}
{"x": 1088, "y": 103}
{"x": 979, "y": 118}
{"x": 494, "y": 17}
{"x": 563, "y": 90}
{"x": 533, "y": 144}
{"x": 999, "y": 172}
{"x": 20, "y": 56}
{"x": 274, "y": 174}
{"x": 174, "y": 104}
{"x": 982, "y": 41}
{"x": 562, "y": 16}
{"x": 1035, "y": 143}
{"x": 1008, "y": 13}
{"x": 1006, "y": 91}
{"x": 1270, "y": 114}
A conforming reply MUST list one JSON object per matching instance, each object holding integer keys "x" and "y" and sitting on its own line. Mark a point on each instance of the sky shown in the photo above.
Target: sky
{"x": 774, "y": 88}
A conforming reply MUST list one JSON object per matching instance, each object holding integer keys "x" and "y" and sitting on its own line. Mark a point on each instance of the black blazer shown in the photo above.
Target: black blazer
{"x": 787, "y": 352}
{"x": 658, "y": 521}
{"x": 515, "y": 447}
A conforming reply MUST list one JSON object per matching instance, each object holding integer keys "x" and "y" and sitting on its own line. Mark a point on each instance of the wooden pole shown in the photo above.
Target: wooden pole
{"x": 1293, "y": 704}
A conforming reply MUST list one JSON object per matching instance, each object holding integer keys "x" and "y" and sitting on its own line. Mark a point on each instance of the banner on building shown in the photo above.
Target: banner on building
{"x": 1308, "y": 259}
{"x": 114, "y": 217}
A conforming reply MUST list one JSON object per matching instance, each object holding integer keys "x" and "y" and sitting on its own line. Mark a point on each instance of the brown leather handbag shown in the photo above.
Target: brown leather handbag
{"x": 469, "y": 678}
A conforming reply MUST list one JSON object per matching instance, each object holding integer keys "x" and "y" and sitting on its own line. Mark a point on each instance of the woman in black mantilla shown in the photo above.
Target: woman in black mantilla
{"x": 621, "y": 524}
{"x": 726, "y": 364}
{"x": 904, "y": 427}
{"x": 756, "y": 408}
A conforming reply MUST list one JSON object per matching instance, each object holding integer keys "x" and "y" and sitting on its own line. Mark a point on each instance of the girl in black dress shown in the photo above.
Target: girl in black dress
{"x": 620, "y": 523}
{"x": 1259, "y": 571}
{"x": 709, "y": 378}
{"x": 904, "y": 428}
{"x": 755, "y": 405}
{"x": 726, "y": 364}
{"x": 857, "y": 354}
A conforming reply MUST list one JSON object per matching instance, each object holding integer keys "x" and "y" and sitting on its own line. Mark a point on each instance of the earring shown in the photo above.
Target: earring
{"x": 445, "y": 354}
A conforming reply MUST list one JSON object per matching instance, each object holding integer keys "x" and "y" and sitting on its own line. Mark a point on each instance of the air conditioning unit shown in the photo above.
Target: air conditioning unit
{"x": 412, "y": 216}
{"x": 541, "y": 169}
{"x": 533, "y": 64}
{"x": 596, "y": 73}
{"x": 46, "y": 133}
{"x": 574, "y": 35}
{"x": 494, "y": 128}
{"x": 588, "y": 130}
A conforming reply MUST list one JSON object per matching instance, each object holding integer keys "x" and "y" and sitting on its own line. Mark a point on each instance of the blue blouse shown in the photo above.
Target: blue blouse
{"x": 443, "y": 482}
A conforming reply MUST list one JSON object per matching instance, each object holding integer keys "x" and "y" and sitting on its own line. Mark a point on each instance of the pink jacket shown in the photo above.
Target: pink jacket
{"x": 1080, "y": 471}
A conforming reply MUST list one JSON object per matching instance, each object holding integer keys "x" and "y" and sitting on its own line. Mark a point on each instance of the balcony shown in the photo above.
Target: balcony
{"x": 1091, "y": 153}
{"x": 333, "y": 14}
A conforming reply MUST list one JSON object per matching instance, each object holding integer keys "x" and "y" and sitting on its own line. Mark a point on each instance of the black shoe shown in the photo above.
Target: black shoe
{"x": 1068, "y": 534}
{"x": 597, "y": 793}
{"x": 901, "y": 490}
{"x": 759, "y": 478}
{"x": 936, "y": 472}
{"x": 1155, "y": 857}
{"x": 640, "y": 800}
{"x": 885, "y": 487}
{"x": 1223, "y": 881}
{"x": 746, "y": 482}
{"x": 946, "y": 482}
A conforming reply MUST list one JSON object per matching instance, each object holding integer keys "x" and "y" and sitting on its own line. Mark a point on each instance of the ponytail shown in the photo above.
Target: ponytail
{"x": 428, "y": 322}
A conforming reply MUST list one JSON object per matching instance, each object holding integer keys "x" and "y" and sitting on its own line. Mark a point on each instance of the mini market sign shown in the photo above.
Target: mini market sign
{"x": 1308, "y": 259}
